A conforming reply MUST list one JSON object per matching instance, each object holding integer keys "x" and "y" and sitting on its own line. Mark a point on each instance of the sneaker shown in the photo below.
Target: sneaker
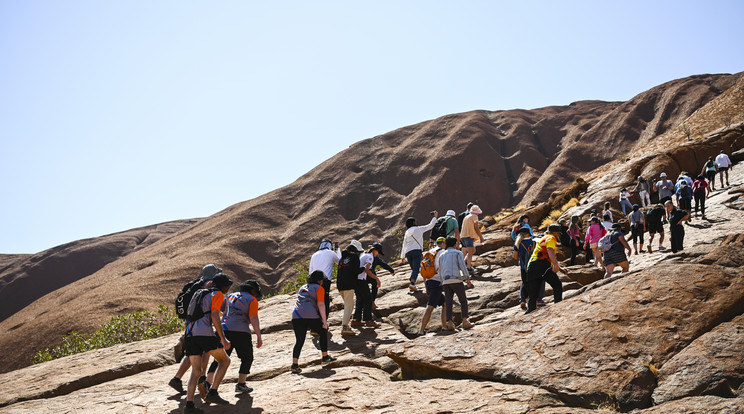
{"x": 243, "y": 388}
{"x": 356, "y": 323}
{"x": 412, "y": 288}
{"x": 203, "y": 387}
{"x": 450, "y": 326}
{"x": 295, "y": 369}
{"x": 313, "y": 333}
{"x": 328, "y": 358}
{"x": 421, "y": 334}
{"x": 540, "y": 303}
{"x": 191, "y": 408}
{"x": 661, "y": 247}
{"x": 176, "y": 384}
{"x": 466, "y": 324}
{"x": 523, "y": 304}
{"x": 371, "y": 324}
{"x": 346, "y": 331}
{"x": 214, "y": 397}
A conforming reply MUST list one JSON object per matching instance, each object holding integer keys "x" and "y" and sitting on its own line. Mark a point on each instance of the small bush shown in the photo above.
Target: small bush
{"x": 546, "y": 222}
{"x": 135, "y": 326}
{"x": 571, "y": 203}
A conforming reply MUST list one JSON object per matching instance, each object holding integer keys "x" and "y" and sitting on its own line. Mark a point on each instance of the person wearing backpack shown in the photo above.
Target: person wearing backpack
{"x": 204, "y": 320}
{"x": 643, "y": 188}
{"x": 523, "y": 248}
{"x": 348, "y": 270}
{"x": 709, "y": 171}
{"x": 544, "y": 266}
{"x": 381, "y": 263}
{"x": 700, "y": 191}
{"x": 615, "y": 256}
{"x": 452, "y": 269}
{"x": 637, "y": 227}
{"x": 461, "y": 216}
{"x": 363, "y": 308}
{"x": 309, "y": 313}
{"x": 445, "y": 226}
{"x": 676, "y": 229}
{"x": 183, "y": 299}
{"x": 684, "y": 196}
{"x": 413, "y": 246}
{"x": 655, "y": 223}
{"x": 593, "y": 234}
{"x": 523, "y": 221}
{"x": 434, "y": 290}
{"x": 240, "y": 313}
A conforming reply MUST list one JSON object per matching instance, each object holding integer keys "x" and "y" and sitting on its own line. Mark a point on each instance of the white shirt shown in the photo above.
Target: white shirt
{"x": 436, "y": 252}
{"x": 324, "y": 260}
{"x": 364, "y": 260}
{"x": 723, "y": 160}
{"x": 414, "y": 237}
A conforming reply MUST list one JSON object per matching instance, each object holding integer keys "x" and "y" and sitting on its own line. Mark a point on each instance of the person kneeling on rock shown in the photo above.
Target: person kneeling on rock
{"x": 543, "y": 266}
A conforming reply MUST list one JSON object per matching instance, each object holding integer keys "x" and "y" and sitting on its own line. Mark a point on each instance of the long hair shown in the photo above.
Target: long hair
{"x": 520, "y": 238}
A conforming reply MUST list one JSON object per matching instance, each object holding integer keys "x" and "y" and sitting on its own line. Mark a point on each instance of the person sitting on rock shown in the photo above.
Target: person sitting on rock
{"x": 240, "y": 312}
{"x": 200, "y": 338}
{"x": 363, "y": 309}
{"x": 724, "y": 164}
{"x": 309, "y": 313}
{"x": 523, "y": 248}
{"x": 434, "y": 290}
{"x": 413, "y": 246}
{"x": 452, "y": 268}
{"x": 544, "y": 266}
{"x": 637, "y": 227}
{"x": 616, "y": 255}
{"x": 348, "y": 270}
{"x": 593, "y": 234}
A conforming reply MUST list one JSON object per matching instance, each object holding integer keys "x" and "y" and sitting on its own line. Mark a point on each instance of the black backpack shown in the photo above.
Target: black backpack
{"x": 440, "y": 228}
{"x": 655, "y": 214}
{"x": 184, "y": 298}
{"x": 195, "y": 311}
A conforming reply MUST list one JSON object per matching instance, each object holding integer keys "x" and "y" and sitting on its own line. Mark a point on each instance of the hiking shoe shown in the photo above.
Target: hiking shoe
{"x": 466, "y": 324}
{"x": 523, "y": 304}
{"x": 313, "y": 333}
{"x": 649, "y": 249}
{"x": 203, "y": 387}
{"x": 328, "y": 358}
{"x": 214, "y": 397}
{"x": 356, "y": 323}
{"x": 243, "y": 388}
{"x": 412, "y": 288}
{"x": 421, "y": 334}
{"x": 371, "y": 324}
{"x": 191, "y": 408}
{"x": 540, "y": 303}
{"x": 346, "y": 331}
{"x": 176, "y": 384}
{"x": 661, "y": 247}
{"x": 295, "y": 369}
{"x": 450, "y": 326}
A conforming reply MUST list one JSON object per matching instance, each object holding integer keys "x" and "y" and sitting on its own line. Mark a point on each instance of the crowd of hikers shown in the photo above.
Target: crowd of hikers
{"x": 217, "y": 322}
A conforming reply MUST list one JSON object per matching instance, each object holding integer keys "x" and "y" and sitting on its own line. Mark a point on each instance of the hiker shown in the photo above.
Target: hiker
{"x": 309, "y": 313}
{"x": 616, "y": 255}
{"x": 655, "y": 219}
{"x": 724, "y": 165}
{"x": 709, "y": 171}
{"x": 363, "y": 309}
{"x": 624, "y": 202}
{"x": 665, "y": 188}
{"x": 348, "y": 270}
{"x": 461, "y": 216}
{"x": 643, "y": 188}
{"x": 523, "y": 221}
{"x": 607, "y": 212}
{"x": 684, "y": 196}
{"x": 446, "y": 226}
{"x": 523, "y": 248}
{"x": 452, "y": 269}
{"x": 700, "y": 191}
{"x": 594, "y": 232}
{"x": 203, "y": 281}
{"x": 413, "y": 246}
{"x": 574, "y": 234}
{"x": 200, "y": 338}
{"x": 240, "y": 313}
{"x": 375, "y": 263}
{"x": 637, "y": 227}
{"x": 607, "y": 222}
{"x": 544, "y": 266}
{"x": 676, "y": 229}
{"x": 470, "y": 230}
{"x": 434, "y": 290}
{"x": 323, "y": 260}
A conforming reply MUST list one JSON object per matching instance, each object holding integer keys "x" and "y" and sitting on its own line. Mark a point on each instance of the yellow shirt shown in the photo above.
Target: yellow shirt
{"x": 541, "y": 248}
{"x": 468, "y": 226}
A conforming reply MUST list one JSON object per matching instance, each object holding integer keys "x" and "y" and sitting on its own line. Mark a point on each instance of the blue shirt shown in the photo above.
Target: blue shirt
{"x": 524, "y": 251}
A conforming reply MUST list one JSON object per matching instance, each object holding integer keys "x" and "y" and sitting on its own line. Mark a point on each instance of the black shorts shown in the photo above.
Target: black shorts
{"x": 197, "y": 345}
{"x": 722, "y": 169}
{"x": 655, "y": 227}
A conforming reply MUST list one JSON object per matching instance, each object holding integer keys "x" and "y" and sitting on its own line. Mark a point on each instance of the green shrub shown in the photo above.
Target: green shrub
{"x": 135, "y": 326}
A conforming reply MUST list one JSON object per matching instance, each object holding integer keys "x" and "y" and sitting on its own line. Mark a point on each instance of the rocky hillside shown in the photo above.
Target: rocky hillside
{"x": 497, "y": 159}
{"x": 664, "y": 338}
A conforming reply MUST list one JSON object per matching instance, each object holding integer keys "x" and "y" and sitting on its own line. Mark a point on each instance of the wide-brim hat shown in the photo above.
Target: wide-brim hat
{"x": 451, "y": 213}
{"x": 356, "y": 246}
{"x": 475, "y": 210}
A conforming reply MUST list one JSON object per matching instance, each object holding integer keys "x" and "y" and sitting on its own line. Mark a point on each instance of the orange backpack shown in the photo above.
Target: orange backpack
{"x": 427, "y": 265}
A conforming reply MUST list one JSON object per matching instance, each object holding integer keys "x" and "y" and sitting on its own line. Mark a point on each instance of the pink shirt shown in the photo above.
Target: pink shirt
{"x": 594, "y": 233}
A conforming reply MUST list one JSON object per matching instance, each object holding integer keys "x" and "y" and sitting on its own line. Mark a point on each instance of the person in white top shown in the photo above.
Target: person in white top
{"x": 413, "y": 246}
{"x": 323, "y": 260}
{"x": 724, "y": 164}
{"x": 434, "y": 290}
{"x": 363, "y": 308}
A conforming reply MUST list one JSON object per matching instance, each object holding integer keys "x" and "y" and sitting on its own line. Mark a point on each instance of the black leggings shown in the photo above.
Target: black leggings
{"x": 241, "y": 342}
{"x": 636, "y": 232}
{"x": 699, "y": 202}
{"x": 537, "y": 272}
{"x": 363, "y": 309}
{"x": 301, "y": 326}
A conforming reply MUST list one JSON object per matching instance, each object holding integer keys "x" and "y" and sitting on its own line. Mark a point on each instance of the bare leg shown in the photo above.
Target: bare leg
{"x": 609, "y": 268}
{"x": 224, "y": 361}
{"x": 195, "y": 374}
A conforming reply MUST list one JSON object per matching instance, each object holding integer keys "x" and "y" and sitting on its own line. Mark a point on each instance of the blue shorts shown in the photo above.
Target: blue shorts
{"x": 436, "y": 297}
{"x": 467, "y": 242}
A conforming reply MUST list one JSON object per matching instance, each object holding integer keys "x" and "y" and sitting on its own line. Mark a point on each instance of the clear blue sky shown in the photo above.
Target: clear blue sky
{"x": 121, "y": 114}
